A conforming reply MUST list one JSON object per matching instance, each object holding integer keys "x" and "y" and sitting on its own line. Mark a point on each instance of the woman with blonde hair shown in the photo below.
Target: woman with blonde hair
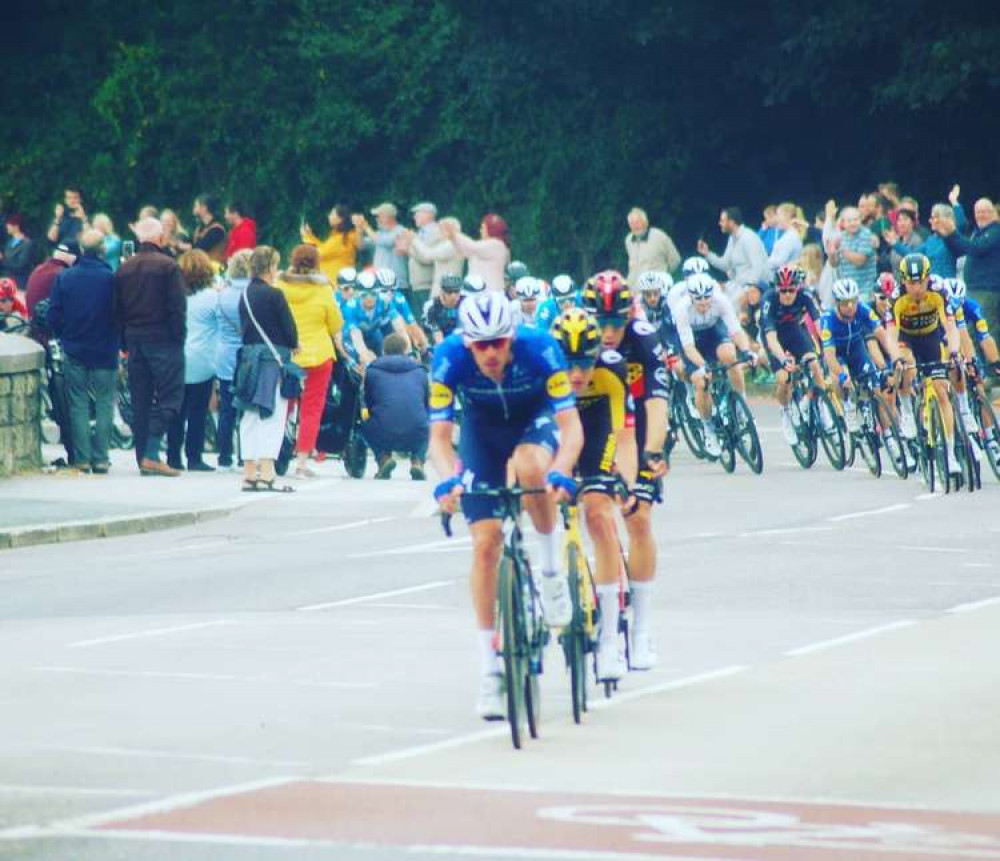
{"x": 340, "y": 248}
{"x": 318, "y": 320}
{"x": 112, "y": 241}
{"x": 174, "y": 234}
{"x": 188, "y": 428}
{"x": 227, "y": 315}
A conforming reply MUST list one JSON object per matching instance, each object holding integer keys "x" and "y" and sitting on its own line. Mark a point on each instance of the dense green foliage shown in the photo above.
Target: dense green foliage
{"x": 559, "y": 115}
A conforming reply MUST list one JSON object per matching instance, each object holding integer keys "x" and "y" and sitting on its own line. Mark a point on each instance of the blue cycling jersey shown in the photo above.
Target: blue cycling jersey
{"x": 402, "y": 307}
{"x": 535, "y": 382}
{"x": 549, "y": 310}
{"x": 356, "y": 317}
{"x": 972, "y": 318}
{"x": 846, "y": 336}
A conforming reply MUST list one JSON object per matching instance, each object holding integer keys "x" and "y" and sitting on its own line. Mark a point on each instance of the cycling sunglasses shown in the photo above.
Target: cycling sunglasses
{"x": 615, "y": 321}
{"x": 492, "y": 343}
{"x": 583, "y": 363}
{"x": 788, "y": 289}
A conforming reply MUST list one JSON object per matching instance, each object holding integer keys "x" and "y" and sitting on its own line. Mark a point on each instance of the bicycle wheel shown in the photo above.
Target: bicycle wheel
{"x": 867, "y": 443}
{"x": 963, "y": 449}
{"x": 892, "y": 439}
{"x": 938, "y": 445}
{"x": 513, "y": 647}
{"x": 832, "y": 439}
{"x": 745, "y": 428}
{"x": 727, "y": 453}
{"x": 355, "y": 456}
{"x": 573, "y": 639}
{"x": 989, "y": 433}
{"x": 691, "y": 428}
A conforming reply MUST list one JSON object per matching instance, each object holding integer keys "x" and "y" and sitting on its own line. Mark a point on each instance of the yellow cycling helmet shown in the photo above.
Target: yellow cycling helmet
{"x": 577, "y": 333}
{"x": 914, "y": 267}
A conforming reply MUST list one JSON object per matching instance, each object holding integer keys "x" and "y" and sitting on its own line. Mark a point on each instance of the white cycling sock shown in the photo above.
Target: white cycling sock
{"x": 607, "y": 600}
{"x": 487, "y": 654}
{"x": 642, "y": 594}
{"x": 551, "y": 545}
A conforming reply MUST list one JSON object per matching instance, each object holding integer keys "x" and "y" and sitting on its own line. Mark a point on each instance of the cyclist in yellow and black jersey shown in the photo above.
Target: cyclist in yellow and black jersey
{"x": 926, "y": 333}
{"x": 599, "y": 378}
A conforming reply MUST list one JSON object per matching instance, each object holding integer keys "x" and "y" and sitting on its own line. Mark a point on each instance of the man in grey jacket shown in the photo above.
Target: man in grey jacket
{"x": 648, "y": 248}
{"x": 744, "y": 261}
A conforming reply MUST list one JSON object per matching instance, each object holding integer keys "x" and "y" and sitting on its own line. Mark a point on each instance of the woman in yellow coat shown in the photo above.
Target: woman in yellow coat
{"x": 340, "y": 248}
{"x": 318, "y": 319}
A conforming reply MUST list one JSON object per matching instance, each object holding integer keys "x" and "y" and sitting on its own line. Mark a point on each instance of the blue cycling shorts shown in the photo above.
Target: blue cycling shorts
{"x": 484, "y": 449}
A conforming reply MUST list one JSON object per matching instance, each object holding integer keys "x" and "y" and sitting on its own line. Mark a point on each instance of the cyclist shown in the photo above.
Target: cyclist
{"x": 925, "y": 333}
{"x": 563, "y": 295}
{"x": 784, "y": 311}
{"x": 515, "y": 271}
{"x": 847, "y": 332}
{"x": 518, "y": 407}
{"x": 707, "y": 329}
{"x": 472, "y": 285}
{"x": 366, "y": 320}
{"x": 608, "y": 296}
{"x": 974, "y": 322}
{"x": 528, "y": 291}
{"x": 385, "y": 278}
{"x": 346, "y": 280}
{"x": 441, "y": 313}
{"x": 654, "y": 287}
{"x": 599, "y": 378}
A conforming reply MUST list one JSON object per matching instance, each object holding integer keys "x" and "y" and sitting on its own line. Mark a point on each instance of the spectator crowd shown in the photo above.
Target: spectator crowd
{"x": 205, "y": 329}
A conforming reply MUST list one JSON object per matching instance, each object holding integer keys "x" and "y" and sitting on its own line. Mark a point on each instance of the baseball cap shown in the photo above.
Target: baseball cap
{"x": 385, "y": 208}
{"x": 67, "y": 252}
{"x": 425, "y": 206}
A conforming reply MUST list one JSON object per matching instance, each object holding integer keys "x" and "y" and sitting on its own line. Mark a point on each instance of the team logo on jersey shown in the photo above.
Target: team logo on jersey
{"x": 558, "y": 385}
{"x": 661, "y": 376}
{"x": 441, "y": 396}
{"x": 981, "y": 326}
{"x": 634, "y": 372}
{"x": 825, "y": 335}
{"x": 611, "y": 357}
{"x": 641, "y": 327}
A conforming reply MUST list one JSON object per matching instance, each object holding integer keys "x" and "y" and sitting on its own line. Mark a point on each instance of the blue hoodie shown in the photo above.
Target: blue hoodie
{"x": 81, "y": 313}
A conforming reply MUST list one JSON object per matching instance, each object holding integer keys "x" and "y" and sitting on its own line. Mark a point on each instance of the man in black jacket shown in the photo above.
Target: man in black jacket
{"x": 151, "y": 312}
{"x": 396, "y": 392}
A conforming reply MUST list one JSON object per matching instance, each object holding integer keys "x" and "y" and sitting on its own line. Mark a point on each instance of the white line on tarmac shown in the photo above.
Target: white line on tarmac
{"x": 167, "y": 754}
{"x": 502, "y": 729}
{"x": 202, "y": 677}
{"x": 340, "y": 526}
{"x": 791, "y": 530}
{"x": 155, "y": 632}
{"x": 387, "y": 606}
{"x": 974, "y": 605}
{"x": 76, "y": 825}
{"x": 919, "y": 549}
{"x": 977, "y": 565}
{"x": 899, "y": 506}
{"x": 20, "y": 789}
{"x": 375, "y": 596}
{"x": 459, "y": 542}
{"x": 850, "y": 638}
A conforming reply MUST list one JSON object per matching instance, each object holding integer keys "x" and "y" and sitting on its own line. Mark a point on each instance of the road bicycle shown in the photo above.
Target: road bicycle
{"x": 817, "y": 423}
{"x": 521, "y": 634}
{"x": 579, "y": 638}
{"x": 876, "y": 429}
{"x": 685, "y": 419}
{"x": 734, "y": 421}
{"x": 986, "y": 434}
{"x": 930, "y": 448}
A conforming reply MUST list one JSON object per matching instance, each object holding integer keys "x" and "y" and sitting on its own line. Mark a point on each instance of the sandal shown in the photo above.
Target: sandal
{"x": 250, "y": 485}
{"x": 270, "y": 487}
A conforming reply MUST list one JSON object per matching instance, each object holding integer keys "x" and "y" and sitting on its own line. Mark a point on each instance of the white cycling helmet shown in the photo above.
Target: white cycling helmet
{"x": 655, "y": 282}
{"x": 563, "y": 287}
{"x": 472, "y": 285}
{"x": 846, "y": 289}
{"x": 485, "y": 316}
{"x": 694, "y": 266}
{"x": 528, "y": 287}
{"x": 701, "y": 286}
{"x": 366, "y": 281}
{"x": 347, "y": 276}
{"x": 957, "y": 289}
{"x": 385, "y": 279}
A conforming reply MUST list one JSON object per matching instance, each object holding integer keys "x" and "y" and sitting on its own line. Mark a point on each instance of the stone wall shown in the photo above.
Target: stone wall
{"x": 22, "y": 366}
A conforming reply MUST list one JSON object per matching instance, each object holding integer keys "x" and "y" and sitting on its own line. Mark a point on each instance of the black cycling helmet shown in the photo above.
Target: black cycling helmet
{"x": 914, "y": 267}
{"x": 451, "y": 283}
{"x": 516, "y": 270}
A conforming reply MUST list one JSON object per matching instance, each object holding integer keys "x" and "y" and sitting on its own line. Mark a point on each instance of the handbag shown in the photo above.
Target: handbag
{"x": 291, "y": 374}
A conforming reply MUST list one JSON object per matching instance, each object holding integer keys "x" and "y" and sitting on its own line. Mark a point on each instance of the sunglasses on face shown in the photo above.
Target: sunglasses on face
{"x": 491, "y": 344}
{"x": 614, "y": 321}
{"x": 788, "y": 290}
{"x": 584, "y": 363}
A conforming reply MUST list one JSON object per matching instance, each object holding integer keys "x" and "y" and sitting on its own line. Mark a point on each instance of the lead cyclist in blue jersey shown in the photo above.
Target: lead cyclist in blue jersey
{"x": 519, "y": 408}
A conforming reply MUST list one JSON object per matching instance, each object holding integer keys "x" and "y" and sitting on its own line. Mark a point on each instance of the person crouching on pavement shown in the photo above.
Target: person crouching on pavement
{"x": 396, "y": 392}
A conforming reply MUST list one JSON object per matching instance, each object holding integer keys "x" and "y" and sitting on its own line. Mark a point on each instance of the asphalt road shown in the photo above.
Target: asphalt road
{"x": 298, "y": 681}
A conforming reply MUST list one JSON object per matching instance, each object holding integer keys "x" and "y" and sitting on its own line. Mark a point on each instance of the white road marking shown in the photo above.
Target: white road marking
{"x": 899, "y": 506}
{"x": 449, "y": 543}
{"x": 19, "y": 789}
{"x": 791, "y": 530}
{"x": 918, "y": 549}
{"x": 978, "y": 565}
{"x": 155, "y": 632}
{"x": 502, "y": 729}
{"x": 339, "y": 527}
{"x": 202, "y": 677}
{"x": 386, "y": 606}
{"x": 375, "y": 596}
{"x": 167, "y": 754}
{"x": 850, "y": 638}
{"x": 975, "y": 605}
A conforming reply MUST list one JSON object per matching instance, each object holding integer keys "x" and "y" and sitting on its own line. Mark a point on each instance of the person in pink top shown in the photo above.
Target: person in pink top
{"x": 489, "y": 255}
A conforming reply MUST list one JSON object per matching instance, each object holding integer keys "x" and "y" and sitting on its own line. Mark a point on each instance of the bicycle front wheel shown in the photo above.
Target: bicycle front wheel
{"x": 514, "y": 647}
{"x": 832, "y": 439}
{"x": 938, "y": 445}
{"x": 575, "y": 636}
{"x": 747, "y": 439}
{"x": 989, "y": 431}
{"x": 963, "y": 450}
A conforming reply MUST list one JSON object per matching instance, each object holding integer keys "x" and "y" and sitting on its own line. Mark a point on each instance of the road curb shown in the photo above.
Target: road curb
{"x": 109, "y": 527}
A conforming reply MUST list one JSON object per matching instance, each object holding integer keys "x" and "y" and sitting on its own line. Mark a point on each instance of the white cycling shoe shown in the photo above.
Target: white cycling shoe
{"x": 907, "y": 424}
{"x": 557, "y": 606}
{"x": 788, "y": 428}
{"x": 712, "y": 447}
{"x": 643, "y": 653}
{"x": 490, "y": 704}
{"x": 611, "y": 664}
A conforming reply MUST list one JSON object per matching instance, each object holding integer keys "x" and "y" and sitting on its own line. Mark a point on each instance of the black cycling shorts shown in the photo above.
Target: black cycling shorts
{"x": 795, "y": 340}
{"x": 926, "y": 349}
{"x": 597, "y": 458}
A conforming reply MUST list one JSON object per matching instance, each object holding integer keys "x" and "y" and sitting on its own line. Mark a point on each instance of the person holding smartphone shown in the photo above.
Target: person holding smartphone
{"x": 69, "y": 218}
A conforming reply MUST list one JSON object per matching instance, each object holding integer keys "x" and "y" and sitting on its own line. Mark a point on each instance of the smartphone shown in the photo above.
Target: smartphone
{"x": 128, "y": 249}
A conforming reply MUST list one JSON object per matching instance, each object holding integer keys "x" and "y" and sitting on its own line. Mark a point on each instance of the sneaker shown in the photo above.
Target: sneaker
{"x": 993, "y": 450}
{"x": 417, "y": 471}
{"x": 148, "y": 466}
{"x": 100, "y": 468}
{"x": 851, "y": 418}
{"x": 611, "y": 664}
{"x": 490, "y": 703}
{"x": 788, "y": 428}
{"x": 643, "y": 653}
{"x": 200, "y": 466}
{"x": 712, "y": 447}
{"x": 557, "y": 606}
{"x": 385, "y": 467}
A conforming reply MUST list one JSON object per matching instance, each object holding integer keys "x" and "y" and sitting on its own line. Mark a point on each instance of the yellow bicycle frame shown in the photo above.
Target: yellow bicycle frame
{"x": 585, "y": 579}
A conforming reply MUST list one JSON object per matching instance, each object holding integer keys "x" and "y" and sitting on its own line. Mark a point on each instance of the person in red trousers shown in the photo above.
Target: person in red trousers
{"x": 317, "y": 316}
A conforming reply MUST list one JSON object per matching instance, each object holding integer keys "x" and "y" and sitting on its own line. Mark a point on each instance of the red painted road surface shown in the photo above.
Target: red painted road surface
{"x": 455, "y": 818}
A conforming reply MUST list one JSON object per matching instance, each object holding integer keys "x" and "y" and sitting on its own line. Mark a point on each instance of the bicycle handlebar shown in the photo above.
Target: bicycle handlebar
{"x": 505, "y": 493}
